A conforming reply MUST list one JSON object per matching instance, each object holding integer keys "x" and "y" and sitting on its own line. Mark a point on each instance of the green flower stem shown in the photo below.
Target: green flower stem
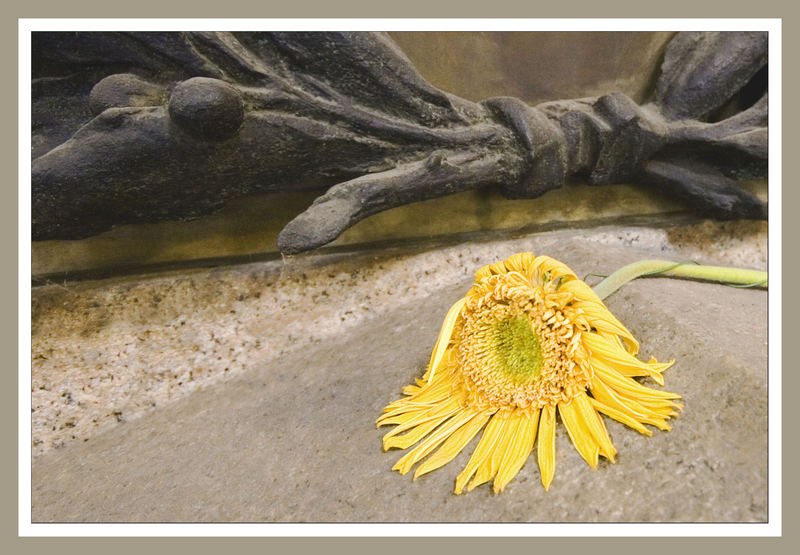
{"x": 729, "y": 276}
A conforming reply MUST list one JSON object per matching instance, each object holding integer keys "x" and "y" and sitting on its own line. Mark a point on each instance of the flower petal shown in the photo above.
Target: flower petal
{"x": 643, "y": 411}
{"x": 595, "y": 425}
{"x": 555, "y": 269}
{"x": 438, "y": 436}
{"x": 583, "y": 441}
{"x": 547, "y": 445}
{"x": 607, "y": 351}
{"x": 519, "y": 450}
{"x": 490, "y": 465}
{"x": 519, "y": 262}
{"x": 420, "y": 426}
{"x": 620, "y": 416}
{"x": 484, "y": 449}
{"x": 454, "y": 444}
{"x": 444, "y": 336}
{"x": 617, "y": 381}
{"x": 429, "y": 397}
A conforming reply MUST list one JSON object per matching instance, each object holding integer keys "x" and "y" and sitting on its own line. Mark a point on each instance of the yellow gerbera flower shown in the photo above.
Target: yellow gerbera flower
{"x": 528, "y": 340}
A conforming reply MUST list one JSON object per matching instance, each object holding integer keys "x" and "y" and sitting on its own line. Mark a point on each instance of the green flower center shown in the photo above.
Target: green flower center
{"x": 520, "y": 354}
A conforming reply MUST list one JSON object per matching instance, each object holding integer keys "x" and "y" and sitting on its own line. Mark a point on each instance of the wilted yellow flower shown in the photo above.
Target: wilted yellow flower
{"x": 528, "y": 340}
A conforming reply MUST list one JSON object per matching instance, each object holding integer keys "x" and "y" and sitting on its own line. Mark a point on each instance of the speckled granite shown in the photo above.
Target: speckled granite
{"x": 250, "y": 393}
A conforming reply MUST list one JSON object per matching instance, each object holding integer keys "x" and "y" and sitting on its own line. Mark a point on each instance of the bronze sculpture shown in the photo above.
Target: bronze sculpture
{"x": 142, "y": 127}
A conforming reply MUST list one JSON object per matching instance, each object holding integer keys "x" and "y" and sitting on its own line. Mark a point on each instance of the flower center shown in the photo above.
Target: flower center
{"x": 519, "y": 352}
{"x": 514, "y": 346}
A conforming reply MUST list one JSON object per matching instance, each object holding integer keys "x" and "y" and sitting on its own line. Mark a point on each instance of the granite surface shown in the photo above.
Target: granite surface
{"x": 250, "y": 393}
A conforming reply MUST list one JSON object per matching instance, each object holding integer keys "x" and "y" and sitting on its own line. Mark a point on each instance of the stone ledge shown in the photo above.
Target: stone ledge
{"x": 314, "y": 350}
